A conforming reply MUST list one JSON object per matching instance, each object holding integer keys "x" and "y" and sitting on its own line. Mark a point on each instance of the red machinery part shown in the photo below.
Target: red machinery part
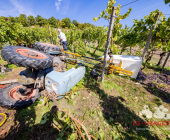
{"x": 2, "y": 86}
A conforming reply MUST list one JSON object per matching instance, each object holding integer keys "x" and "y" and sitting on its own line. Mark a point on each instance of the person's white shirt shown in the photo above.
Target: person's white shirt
{"x": 62, "y": 36}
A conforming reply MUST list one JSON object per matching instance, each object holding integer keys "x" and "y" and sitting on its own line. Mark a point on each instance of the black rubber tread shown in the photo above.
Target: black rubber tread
{"x": 9, "y": 54}
{"x": 46, "y": 48}
{"x": 7, "y": 102}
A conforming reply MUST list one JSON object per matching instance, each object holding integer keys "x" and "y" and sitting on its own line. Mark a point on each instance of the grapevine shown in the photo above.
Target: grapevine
{"x": 117, "y": 26}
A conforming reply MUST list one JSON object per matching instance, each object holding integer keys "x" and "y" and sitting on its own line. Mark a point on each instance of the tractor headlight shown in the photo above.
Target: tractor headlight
{"x": 55, "y": 87}
{"x": 50, "y": 86}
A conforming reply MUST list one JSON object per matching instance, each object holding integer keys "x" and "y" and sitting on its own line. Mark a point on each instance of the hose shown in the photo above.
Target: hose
{"x": 3, "y": 114}
{"x": 77, "y": 60}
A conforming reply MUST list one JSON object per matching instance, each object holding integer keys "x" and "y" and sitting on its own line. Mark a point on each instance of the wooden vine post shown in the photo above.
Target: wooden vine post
{"x": 89, "y": 42}
{"x": 73, "y": 41}
{"x": 57, "y": 36}
{"x": 112, "y": 18}
{"x": 51, "y": 36}
{"x": 150, "y": 36}
{"x": 166, "y": 60}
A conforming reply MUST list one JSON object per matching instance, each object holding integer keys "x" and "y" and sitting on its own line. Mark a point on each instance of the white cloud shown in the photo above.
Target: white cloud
{"x": 21, "y": 8}
{"x": 17, "y": 5}
{"x": 64, "y": 8}
{"x": 57, "y": 4}
{"x": 15, "y": 8}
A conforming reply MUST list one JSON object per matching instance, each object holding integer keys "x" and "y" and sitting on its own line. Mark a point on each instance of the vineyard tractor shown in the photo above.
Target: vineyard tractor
{"x": 45, "y": 69}
{"x": 42, "y": 72}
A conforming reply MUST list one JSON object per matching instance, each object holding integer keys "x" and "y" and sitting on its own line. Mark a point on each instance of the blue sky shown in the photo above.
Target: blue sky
{"x": 80, "y": 10}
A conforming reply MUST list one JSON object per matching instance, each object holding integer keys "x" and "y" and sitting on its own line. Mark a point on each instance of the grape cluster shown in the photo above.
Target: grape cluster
{"x": 159, "y": 81}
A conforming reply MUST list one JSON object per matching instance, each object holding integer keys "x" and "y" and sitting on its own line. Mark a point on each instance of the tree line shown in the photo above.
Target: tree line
{"x": 42, "y": 22}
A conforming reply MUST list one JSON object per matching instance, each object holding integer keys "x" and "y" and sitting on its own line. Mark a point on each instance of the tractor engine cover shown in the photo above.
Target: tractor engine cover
{"x": 60, "y": 83}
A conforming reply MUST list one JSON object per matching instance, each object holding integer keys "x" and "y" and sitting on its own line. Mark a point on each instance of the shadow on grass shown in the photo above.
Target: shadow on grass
{"x": 25, "y": 127}
{"x": 119, "y": 116}
{"x": 163, "y": 95}
{"x": 125, "y": 120}
{"x": 155, "y": 84}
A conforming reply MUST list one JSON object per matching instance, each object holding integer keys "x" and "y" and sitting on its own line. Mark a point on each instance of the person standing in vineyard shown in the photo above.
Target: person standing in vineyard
{"x": 63, "y": 39}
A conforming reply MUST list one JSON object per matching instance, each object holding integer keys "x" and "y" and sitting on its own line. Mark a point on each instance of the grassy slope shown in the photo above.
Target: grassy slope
{"x": 111, "y": 107}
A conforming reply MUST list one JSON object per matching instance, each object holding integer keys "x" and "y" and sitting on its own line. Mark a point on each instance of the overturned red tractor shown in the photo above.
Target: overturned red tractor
{"x": 43, "y": 71}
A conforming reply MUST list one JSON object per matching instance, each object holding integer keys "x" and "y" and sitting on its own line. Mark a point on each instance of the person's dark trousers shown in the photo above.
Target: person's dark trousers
{"x": 65, "y": 46}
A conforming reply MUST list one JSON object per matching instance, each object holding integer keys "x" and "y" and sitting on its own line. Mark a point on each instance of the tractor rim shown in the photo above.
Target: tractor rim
{"x": 31, "y": 53}
{"x": 47, "y": 44}
{"x": 14, "y": 94}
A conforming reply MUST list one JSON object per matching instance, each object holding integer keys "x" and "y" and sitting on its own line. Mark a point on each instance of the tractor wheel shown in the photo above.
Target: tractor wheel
{"x": 10, "y": 98}
{"x": 26, "y": 57}
{"x": 46, "y": 47}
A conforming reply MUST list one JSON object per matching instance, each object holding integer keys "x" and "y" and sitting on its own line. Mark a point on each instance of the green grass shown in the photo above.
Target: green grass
{"x": 167, "y": 68}
{"x": 158, "y": 68}
{"x": 11, "y": 66}
{"x": 2, "y": 76}
{"x": 2, "y": 62}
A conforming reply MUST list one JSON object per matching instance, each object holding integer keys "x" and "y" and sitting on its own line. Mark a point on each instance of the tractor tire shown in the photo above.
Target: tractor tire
{"x": 46, "y": 47}
{"x": 26, "y": 57}
{"x": 11, "y": 100}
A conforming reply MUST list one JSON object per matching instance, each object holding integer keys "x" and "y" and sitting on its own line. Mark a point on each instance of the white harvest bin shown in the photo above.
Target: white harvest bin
{"x": 131, "y": 63}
